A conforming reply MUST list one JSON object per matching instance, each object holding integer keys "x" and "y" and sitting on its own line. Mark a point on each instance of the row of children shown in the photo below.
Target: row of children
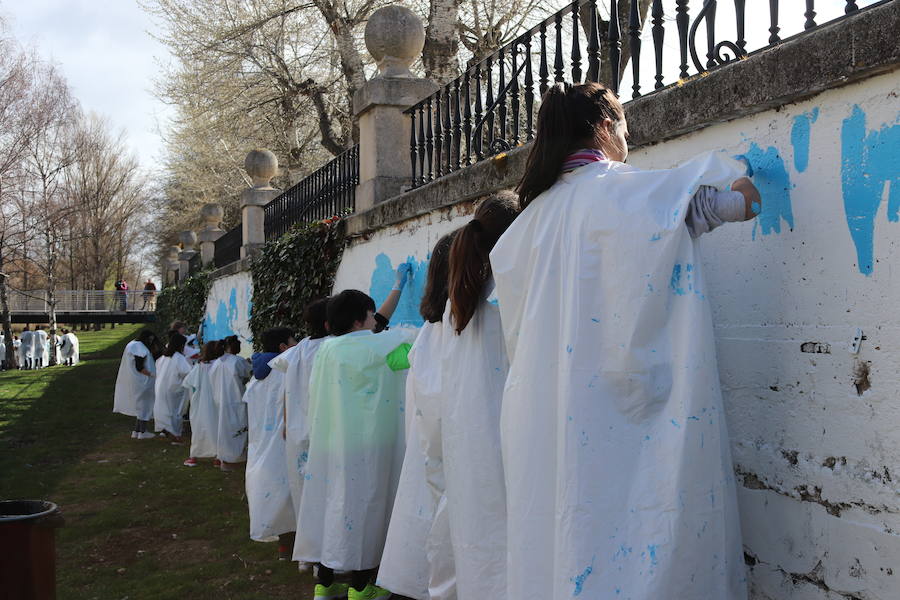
{"x": 556, "y": 428}
{"x": 33, "y": 348}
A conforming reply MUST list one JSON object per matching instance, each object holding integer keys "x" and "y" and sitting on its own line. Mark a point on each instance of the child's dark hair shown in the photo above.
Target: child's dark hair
{"x": 346, "y": 309}
{"x": 231, "y": 344}
{"x": 316, "y": 315}
{"x": 470, "y": 266}
{"x": 274, "y": 337}
{"x": 149, "y": 339}
{"x": 568, "y": 120}
{"x": 434, "y": 298}
{"x": 176, "y": 344}
{"x": 211, "y": 351}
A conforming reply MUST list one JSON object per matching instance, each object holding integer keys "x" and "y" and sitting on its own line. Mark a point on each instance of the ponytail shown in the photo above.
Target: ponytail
{"x": 434, "y": 298}
{"x": 470, "y": 266}
{"x": 567, "y": 121}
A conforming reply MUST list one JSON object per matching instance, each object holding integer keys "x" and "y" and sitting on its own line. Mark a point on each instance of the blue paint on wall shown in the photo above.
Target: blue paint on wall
{"x": 771, "y": 177}
{"x": 870, "y": 160}
{"x": 800, "y": 138}
{"x": 383, "y": 278}
{"x": 219, "y": 326}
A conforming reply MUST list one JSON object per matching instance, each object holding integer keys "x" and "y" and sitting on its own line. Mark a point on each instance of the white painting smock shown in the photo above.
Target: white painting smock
{"x": 134, "y": 390}
{"x": 26, "y": 348}
{"x": 227, "y": 376}
{"x": 296, "y": 363}
{"x": 404, "y": 565}
{"x": 171, "y": 396}
{"x": 268, "y": 492}
{"x": 204, "y": 411}
{"x": 618, "y": 470}
{"x": 356, "y": 448}
{"x": 68, "y": 348}
{"x": 464, "y": 448}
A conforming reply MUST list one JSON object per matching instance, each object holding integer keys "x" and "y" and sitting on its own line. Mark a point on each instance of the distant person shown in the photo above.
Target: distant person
{"x": 26, "y": 349}
{"x": 122, "y": 294}
{"x": 149, "y": 296}
{"x": 41, "y": 356}
{"x": 2, "y": 353}
{"x": 68, "y": 348}
{"x": 134, "y": 393}
{"x": 17, "y": 348}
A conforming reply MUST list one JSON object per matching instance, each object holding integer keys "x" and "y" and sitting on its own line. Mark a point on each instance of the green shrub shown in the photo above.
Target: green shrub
{"x": 184, "y": 302}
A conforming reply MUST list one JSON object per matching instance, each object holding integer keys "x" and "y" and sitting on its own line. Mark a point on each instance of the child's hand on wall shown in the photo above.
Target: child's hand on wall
{"x": 752, "y": 199}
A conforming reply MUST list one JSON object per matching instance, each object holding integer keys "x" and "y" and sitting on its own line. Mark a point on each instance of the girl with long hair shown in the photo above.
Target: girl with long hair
{"x": 462, "y": 432}
{"x": 410, "y": 566}
{"x": 615, "y": 451}
{"x": 171, "y": 396}
{"x": 228, "y": 375}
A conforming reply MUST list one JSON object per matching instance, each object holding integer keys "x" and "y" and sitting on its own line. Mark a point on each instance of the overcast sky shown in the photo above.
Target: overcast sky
{"x": 105, "y": 50}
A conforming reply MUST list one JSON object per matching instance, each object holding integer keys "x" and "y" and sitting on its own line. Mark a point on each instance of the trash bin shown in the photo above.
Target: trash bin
{"x": 28, "y": 549}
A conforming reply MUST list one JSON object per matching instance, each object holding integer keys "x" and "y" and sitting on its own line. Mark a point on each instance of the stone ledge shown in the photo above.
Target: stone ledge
{"x": 854, "y": 47}
{"x": 237, "y": 266}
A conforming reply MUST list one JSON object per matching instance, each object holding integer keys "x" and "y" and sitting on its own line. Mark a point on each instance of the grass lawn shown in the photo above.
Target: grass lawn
{"x": 138, "y": 523}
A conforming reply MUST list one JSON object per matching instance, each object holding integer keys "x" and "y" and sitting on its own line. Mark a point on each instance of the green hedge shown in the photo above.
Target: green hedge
{"x": 184, "y": 302}
{"x": 292, "y": 271}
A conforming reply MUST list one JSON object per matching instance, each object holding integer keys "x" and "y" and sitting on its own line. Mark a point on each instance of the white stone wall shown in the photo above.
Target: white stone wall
{"x": 228, "y": 310}
{"x": 815, "y": 426}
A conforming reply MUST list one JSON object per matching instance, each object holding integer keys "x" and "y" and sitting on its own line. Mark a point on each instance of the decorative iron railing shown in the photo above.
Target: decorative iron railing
{"x": 326, "y": 192}
{"x": 492, "y": 106}
{"x": 228, "y": 247}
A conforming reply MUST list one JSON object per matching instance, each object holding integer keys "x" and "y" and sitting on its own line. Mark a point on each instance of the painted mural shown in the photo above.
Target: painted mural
{"x": 228, "y": 310}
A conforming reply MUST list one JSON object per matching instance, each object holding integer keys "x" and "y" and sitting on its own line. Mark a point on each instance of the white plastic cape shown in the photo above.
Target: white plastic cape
{"x": 268, "y": 492}
{"x": 41, "y": 347}
{"x": 134, "y": 392}
{"x": 616, "y": 456}
{"x": 296, "y": 364}
{"x": 26, "y": 349}
{"x": 171, "y": 396}
{"x": 405, "y": 566}
{"x": 69, "y": 348}
{"x": 204, "y": 412}
{"x": 226, "y": 377}
{"x": 356, "y": 445}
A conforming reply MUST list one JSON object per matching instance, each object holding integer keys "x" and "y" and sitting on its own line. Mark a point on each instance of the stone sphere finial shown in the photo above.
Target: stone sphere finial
{"x": 188, "y": 239}
{"x": 261, "y": 165}
{"x": 395, "y": 37}
{"x": 212, "y": 214}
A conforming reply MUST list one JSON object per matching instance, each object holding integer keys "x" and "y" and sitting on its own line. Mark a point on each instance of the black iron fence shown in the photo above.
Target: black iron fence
{"x": 491, "y": 107}
{"x": 228, "y": 248}
{"x": 324, "y": 193}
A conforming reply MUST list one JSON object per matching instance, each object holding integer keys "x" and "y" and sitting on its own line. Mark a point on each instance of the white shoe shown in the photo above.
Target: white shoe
{"x": 134, "y": 435}
{"x": 146, "y": 435}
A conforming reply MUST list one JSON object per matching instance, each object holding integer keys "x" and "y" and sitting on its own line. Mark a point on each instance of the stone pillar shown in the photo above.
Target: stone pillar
{"x": 212, "y": 214}
{"x": 172, "y": 265}
{"x": 262, "y": 165}
{"x": 188, "y": 240}
{"x": 395, "y": 38}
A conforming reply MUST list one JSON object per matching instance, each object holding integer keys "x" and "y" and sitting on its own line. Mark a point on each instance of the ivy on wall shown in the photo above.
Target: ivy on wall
{"x": 292, "y": 271}
{"x": 184, "y": 302}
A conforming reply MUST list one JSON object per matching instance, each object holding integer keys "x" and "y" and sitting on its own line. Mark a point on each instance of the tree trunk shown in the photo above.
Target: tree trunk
{"x": 439, "y": 56}
{"x": 11, "y": 358}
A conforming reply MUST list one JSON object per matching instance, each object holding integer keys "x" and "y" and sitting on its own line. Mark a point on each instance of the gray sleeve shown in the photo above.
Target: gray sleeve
{"x": 710, "y": 207}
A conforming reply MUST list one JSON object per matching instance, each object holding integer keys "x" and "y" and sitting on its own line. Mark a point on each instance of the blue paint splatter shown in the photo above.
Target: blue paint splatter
{"x": 569, "y": 349}
{"x": 693, "y": 418}
{"x": 675, "y": 423}
{"x": 675, "y": 282}
{"x": 222, "y": 324}
{"x": 383, "y": 277}
{"x": 800, "y": 138}
{"x": 774, "y": 183}
{"x": 595, "y": 320}
{"x": 651, "y": 550}
{"x": 656, "y": 237}
{"x": 579, "y": 580}
{"x": 869, "y": 162}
